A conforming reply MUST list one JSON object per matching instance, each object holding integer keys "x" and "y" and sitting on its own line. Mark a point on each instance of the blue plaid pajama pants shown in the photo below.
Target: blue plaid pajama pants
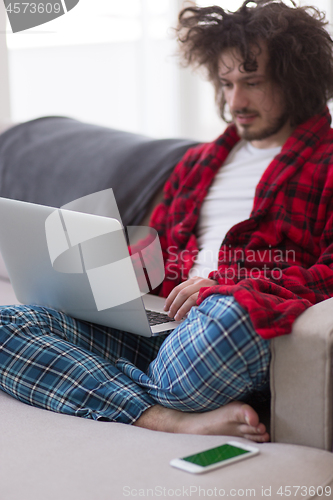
{"x": 52, "y": 361}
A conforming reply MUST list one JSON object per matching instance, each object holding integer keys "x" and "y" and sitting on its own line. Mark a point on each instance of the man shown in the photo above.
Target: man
{"x": 273, "y": 67}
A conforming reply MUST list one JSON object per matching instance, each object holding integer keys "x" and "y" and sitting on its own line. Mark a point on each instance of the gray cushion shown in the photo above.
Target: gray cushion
{"x": 54, "y": 160}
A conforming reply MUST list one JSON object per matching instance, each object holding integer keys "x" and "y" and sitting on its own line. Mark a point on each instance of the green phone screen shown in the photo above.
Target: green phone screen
{"x": 215, "y": 455}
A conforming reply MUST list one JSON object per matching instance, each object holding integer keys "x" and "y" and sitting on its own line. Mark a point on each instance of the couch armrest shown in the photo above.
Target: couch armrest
{"x": 301, "y": 380}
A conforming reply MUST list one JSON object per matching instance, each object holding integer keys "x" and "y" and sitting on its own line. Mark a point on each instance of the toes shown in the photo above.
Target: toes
{"x": 250, "y": 415}
{"x": 261, "y": 438}
{"x": 241, "y": 413}
{"x": 259, "y": 430}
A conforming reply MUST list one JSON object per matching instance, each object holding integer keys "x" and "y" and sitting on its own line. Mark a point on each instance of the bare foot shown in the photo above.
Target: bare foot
{"x": 233, "y": 419}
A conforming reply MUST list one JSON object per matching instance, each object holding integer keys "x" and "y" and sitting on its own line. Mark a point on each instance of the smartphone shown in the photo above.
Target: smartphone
{"x": 226, "y": 454}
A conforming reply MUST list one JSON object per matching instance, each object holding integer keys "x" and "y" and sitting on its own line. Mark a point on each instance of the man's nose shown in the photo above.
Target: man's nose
{"x": 238, "y": 99}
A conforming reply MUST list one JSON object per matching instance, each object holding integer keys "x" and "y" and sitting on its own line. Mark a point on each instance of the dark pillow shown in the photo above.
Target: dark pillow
{"x": 54, "y": 160}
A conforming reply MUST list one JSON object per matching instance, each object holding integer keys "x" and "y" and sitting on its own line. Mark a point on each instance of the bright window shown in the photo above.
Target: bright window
{"x": 111, "y": 62}
{"x": 105, "y": 61}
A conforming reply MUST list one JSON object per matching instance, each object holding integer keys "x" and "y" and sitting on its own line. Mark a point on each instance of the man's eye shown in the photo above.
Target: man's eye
{"x": 252, "y": 84}
{"x": 226, "y": 85}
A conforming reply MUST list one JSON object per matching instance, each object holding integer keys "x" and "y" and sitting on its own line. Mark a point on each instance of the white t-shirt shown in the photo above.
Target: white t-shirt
{"x": 229, "y": 201}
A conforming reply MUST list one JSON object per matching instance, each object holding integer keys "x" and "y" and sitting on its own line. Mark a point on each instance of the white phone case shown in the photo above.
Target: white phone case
{"x": 182, "y": 464}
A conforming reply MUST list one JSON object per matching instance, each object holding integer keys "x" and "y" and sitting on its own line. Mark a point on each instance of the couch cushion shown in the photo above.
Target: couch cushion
{"x": 54, "y": 160}
{"x": 44, "y": 455}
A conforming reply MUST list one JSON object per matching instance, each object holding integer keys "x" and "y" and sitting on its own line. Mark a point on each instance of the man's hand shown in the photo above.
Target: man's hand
{"x": 184, "y": 296}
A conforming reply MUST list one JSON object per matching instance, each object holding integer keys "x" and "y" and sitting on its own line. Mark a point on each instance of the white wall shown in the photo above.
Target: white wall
{"x": 131, "y": 85}
{"x": 134, "y": 85}
{"x": 5, "y": 114}
{"x": 98, "y": 84}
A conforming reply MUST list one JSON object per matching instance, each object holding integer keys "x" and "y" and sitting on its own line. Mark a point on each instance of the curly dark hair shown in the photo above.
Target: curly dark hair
{"x": 299, "y": 47}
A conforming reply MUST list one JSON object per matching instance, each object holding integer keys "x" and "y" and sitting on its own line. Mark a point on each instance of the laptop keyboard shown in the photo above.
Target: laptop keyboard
{"x": 156, "y": 318}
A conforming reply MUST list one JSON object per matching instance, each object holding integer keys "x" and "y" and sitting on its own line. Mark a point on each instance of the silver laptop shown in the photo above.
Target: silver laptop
{"x": 79, "y": 263}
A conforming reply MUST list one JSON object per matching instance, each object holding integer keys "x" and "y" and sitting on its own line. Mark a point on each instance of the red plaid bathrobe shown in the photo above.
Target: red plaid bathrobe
{"x": 278, "y": 262}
